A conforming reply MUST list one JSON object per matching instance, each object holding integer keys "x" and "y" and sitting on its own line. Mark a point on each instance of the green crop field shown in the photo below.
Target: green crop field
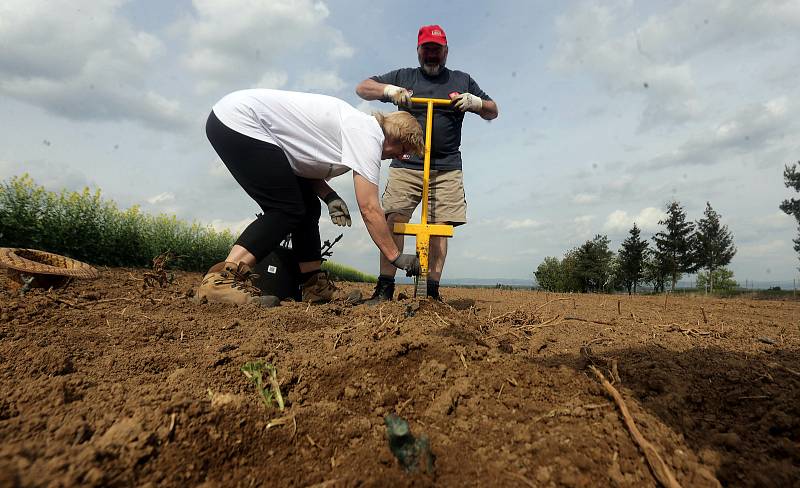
{"x": 87, "y": 227}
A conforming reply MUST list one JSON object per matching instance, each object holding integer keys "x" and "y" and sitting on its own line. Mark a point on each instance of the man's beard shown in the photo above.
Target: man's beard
{"x": 432, "y": 69}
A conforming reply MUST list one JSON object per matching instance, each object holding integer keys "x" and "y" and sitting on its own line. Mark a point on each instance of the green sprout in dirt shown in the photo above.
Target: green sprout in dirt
{"x": 254, "y": 371}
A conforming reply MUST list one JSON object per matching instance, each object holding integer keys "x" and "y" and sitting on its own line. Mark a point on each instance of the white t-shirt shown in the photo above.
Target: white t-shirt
{"x": 322, "y": 136}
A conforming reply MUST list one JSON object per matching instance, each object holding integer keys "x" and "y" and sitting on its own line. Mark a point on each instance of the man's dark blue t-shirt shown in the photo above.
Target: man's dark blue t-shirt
{"x": 446, "y": 137}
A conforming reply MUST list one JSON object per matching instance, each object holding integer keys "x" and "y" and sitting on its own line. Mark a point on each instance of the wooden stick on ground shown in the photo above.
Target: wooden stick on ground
{"x": 65, "y": 302}
{"x": 551, "y": 301}
{"x": 601, "y": 322}
{"x": 659, "y": 468}
{"x": 525, "y": 481}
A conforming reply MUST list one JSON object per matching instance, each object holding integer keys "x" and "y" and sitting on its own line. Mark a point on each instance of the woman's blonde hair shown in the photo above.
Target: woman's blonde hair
{"x": 403, "y": 127}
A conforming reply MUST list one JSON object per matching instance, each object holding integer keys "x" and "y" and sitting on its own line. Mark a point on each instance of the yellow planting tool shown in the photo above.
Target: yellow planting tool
{"x": 423, "y": 231}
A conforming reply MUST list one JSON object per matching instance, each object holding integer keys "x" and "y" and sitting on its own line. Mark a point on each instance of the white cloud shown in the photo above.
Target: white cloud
{"x": 370, "y": 106}
{"x": 234, "y": 226}
{"x": 272, "y": 79}
{"x": 761, "y": 250}
{"x": 320, "y": 81}
{"x": 522, "y": 224}
{"x": 647, "y": 219}
{"x": 339, "y": 48}
{"x": 81, "y": 61}
{"x": 595, "y": 37}
{"x": 161, "y": 198}
{"x": 53, "y": 177}
{"x": 485, "y": 258}
{"x": 584, "y": 198}
{"x": 498, "y": 224}
{"x": 657, "y": 59}
{"x": 755, "y": 127}
{"x": 228, "y": 39}
{"x": 694, "y": 26}
{"x": 777, "y": 220}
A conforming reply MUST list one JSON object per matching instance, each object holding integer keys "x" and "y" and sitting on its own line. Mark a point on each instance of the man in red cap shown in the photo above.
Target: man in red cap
{"x": 446, "y": 201}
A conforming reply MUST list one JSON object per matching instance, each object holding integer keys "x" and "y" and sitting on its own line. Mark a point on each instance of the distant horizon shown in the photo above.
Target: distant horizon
{"x": 682, "y": 284}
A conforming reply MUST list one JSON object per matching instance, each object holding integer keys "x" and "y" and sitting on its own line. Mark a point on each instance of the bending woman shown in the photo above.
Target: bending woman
{"x": 282, "y": 147}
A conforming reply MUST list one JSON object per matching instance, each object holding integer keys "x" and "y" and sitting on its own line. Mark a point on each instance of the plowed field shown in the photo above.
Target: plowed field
{"x": 105, "y": 383}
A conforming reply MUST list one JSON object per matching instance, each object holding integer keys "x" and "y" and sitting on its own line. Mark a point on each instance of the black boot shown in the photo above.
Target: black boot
{"x": 433, "y": 290}
{"x": 384, "y": 291}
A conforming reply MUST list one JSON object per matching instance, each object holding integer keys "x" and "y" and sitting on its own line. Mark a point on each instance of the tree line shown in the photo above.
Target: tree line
{"x": 704, "y": 247}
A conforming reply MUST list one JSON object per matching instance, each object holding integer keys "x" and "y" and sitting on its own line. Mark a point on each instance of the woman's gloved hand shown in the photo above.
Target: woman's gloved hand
{"x": 337, "y": 209}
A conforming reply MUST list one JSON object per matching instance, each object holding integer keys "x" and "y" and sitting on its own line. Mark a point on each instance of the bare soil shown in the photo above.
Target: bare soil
{"x": 105, "y": 383}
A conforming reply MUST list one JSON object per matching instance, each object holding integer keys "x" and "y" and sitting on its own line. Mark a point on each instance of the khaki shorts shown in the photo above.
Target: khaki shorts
{"x": 446, "y": 200}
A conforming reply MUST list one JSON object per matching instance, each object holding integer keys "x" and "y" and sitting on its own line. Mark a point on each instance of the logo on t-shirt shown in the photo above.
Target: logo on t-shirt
{"x": 405, "y": 157}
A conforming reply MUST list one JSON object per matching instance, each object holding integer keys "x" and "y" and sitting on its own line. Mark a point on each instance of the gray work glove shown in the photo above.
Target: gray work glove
{"x": 409, "y": 263}
{"x": 337, "y": 209}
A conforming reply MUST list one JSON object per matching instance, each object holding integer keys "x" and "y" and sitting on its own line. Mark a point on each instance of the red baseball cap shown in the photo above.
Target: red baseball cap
{"x": 431, "y": 33}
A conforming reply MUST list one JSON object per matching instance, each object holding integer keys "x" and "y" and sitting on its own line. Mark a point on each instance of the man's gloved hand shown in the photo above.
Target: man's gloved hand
{"x": 467, "y": 102}
{"x": 409, "y": 263}
{"x": 398, "y": 95}
{"x": 337, "y": 209}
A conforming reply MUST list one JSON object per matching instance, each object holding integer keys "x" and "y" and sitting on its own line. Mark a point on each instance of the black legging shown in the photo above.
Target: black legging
{"x": 288, "y": 201}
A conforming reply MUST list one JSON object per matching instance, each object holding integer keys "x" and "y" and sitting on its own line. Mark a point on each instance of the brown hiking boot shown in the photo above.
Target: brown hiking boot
{"x": 232, "y": 283}
{"x": 318, "y": 289}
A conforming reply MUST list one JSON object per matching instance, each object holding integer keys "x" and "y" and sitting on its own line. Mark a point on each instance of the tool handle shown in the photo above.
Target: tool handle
{"x": 435, "y": 101}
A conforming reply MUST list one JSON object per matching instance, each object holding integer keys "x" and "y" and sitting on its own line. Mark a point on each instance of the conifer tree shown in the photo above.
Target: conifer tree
{"x": 593, "y": 264}
{"x": 674, "y": 245}
{"x": 632, "y": 256}
{"x": 713, "y": 244}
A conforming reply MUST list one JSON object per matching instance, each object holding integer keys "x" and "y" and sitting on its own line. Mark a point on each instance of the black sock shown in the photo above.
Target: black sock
{"x": 307, "y": 275}
{"x": 385, "y": 279}
{"x": 433, "y": 288}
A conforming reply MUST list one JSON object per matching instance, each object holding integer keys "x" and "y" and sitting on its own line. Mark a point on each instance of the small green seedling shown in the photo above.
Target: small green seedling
{"x": 254, "y": 371}
{"x": 413, "y": 452}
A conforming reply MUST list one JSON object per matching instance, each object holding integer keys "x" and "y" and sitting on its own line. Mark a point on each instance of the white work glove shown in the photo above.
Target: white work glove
{"x": 337, "y": 209}
{"x": 398, "y": 95}
{"x": 467, "y": 102}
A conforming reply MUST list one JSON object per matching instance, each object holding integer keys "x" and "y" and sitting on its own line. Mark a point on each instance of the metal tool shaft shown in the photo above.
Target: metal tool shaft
{"x": 423, "y": 231}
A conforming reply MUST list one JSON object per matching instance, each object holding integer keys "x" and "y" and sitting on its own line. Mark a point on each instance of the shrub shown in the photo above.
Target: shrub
{"x": 722, "y": 280}
{"x": 83, "y": 226}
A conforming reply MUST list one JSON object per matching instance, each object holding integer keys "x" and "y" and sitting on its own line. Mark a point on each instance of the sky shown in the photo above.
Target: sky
{"x": 609, "y": 110}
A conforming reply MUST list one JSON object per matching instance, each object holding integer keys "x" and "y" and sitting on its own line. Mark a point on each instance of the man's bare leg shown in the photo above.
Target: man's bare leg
{"x": 436, "y": 257}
